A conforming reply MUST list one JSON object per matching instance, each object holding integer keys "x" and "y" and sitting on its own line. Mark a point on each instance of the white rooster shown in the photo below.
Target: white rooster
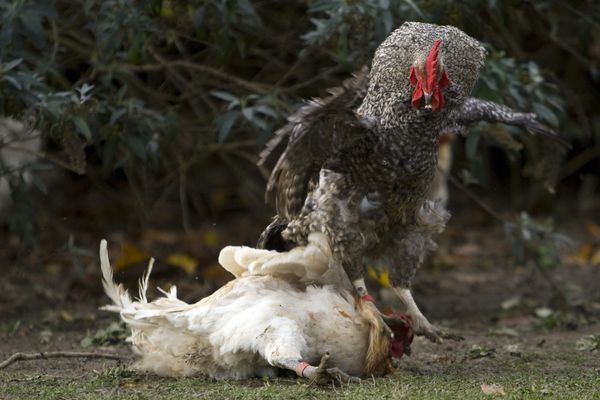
{"x": 270, "y": 317}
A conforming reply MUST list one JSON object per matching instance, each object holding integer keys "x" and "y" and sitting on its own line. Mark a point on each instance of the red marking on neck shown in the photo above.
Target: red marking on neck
{"x": 368, "y": 297}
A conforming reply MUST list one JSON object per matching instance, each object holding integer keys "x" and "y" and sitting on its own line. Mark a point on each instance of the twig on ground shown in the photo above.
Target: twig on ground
{"x": 56, "y": 354}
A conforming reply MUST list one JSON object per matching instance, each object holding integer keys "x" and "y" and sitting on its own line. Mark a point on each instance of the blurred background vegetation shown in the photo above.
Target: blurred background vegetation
{"x": 157, "y": 109}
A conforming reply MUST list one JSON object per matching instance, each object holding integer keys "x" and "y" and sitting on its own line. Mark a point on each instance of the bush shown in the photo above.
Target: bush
{"x": 169, "y": 91}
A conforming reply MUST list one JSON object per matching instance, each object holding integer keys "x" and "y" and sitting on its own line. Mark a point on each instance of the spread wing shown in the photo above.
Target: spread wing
{"x": 316, "y": 132}
{"x": 474, "y": 110}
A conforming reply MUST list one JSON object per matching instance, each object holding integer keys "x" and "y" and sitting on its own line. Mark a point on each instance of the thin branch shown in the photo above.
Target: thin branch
{"x": 178, "y": 80}
{"x": 56, "y": 354}
{"x": 476, "y": 199}
{"x": 46, "y": 157}
{"x": 254, "y": 87}
{"x": 183, "y": 200}
{"x": 577, "y": 162}
{"x": 314, "y": 79}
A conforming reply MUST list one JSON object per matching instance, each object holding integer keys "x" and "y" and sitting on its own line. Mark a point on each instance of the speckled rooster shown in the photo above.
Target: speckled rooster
{"x": 359, "y": 164}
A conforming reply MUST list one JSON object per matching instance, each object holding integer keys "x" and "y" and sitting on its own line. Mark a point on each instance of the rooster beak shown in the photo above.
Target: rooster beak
{"x": 427, "y": 99}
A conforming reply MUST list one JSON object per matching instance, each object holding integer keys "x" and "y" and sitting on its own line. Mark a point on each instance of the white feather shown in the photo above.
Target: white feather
{"x": 304, "y": 263}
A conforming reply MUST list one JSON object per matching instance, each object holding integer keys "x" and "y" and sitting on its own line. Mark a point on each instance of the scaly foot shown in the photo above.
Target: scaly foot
{"x": 323, "y": 375}
{"x": 422, "y": 327}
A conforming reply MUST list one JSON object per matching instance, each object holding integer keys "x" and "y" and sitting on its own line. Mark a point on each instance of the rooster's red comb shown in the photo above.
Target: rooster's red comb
{"x": 431, "y": 66}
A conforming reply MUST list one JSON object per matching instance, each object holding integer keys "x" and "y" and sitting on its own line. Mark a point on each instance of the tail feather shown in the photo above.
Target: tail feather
{"x": 143, "y": 282}
{"x": 133, "y": 310}
{"x": 116, "y": 292}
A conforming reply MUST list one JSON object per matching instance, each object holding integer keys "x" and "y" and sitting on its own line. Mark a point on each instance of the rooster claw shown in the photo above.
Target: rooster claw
{"x": 323, "y": 375}
{"x": 437, "y": 335}
{"x": 450, "y": 336}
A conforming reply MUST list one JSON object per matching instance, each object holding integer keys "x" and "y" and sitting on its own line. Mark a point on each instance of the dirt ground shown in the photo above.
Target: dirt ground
{"x": 527, "y": 333}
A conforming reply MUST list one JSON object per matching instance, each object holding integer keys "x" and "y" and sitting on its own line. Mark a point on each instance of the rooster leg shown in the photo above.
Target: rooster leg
{"x": 282, "y": 347}
{"x": 368, "y": 301}
{"x": 420, "y": 324}
{"x": 323, "y": 374}
{"x": 320, "y": 374}
{"x": 410, "y": 253}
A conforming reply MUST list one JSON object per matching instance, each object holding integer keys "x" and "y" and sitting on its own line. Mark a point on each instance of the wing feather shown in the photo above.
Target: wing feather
{"x": 316, "y": 132}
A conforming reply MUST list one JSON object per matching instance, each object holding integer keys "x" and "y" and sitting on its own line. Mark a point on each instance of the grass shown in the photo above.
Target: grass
{"x": 118, "y": 383}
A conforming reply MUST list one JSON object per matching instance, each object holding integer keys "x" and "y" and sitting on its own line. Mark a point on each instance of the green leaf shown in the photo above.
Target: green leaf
{"x": 472, "y": 144}
{"x": 116, "y": 115}
{"x": 248, "y": 113}
{"x": 225, "y": 123}
{"x": 83, "y": 128}
{"x": 266, "y": 110}
{"x": 13, "y": 82}
{"x": 546, "y": 114}
{"x": 137, "y": 146}
{"x": 225, "y": 96}
{"x": 11, "y": 64}
{"x": 415, "y": 8}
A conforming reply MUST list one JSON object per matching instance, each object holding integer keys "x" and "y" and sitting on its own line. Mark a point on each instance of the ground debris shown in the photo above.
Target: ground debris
{"x": 504, "y": 331}
{"x": 514, "y": 349}
{"x": 55, "y": 354}
{"x": 477, "y": 351}
{"x": 588, "y": 343}
{"x": 115, "y": 333}
{"x": 492, "y": 389}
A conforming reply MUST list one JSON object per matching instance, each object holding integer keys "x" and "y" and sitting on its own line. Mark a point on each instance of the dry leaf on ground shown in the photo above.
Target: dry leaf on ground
{"x": 492, "y": 389}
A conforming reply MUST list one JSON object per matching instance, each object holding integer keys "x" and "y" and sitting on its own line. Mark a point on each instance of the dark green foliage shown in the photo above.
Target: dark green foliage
{"x": 536, "y": 241}
{"x": 115, "y": 333}
{"x": 169, "y": 91}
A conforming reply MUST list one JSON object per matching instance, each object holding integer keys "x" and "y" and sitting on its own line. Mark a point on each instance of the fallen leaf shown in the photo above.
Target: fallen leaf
{"x": 588, "y": 343}
{"x": 504, "y": 331}
{"x": 511, "y": 303}
{"x": 593, "y": 229}
{"x": 65, "y": 315}
{"x": 131, "y": 384}
{"x": 152, "y": 236}
{"x": 513, "y": 350}
{"x": 45, "y": 336}
{"x": 492, "y": 389}
{"x": 595, "y": 259}
{"x": 478, "y": 351}
{"x": 130, "y": 255}
{"x": 183, "y": 261}
{"x": 543, "y": 312}
{"x": 211, "y": 238}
